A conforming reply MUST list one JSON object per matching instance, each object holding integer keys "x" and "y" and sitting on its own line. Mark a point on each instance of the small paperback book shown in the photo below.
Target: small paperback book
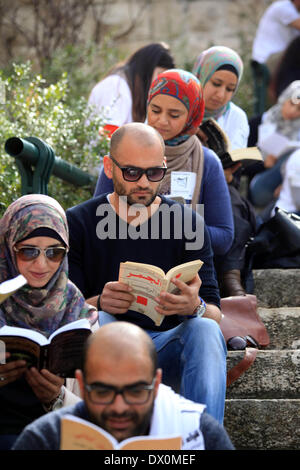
{"x": 10, "y": 286}
{"x": 148, "y": 281}
{"x": 218, "y": 141}
{"x": 79, "y": 434}
{"x": 277, "y": 144}
{"x": 61, "y": 353}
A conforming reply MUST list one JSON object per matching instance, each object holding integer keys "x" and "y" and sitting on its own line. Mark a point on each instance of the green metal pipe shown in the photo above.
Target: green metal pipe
{"x": 27, "y": 152}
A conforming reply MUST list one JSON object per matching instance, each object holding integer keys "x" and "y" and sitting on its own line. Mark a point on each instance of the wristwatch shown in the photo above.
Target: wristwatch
{"x": 200, "y": 310}
{"x": 57, "y": 403}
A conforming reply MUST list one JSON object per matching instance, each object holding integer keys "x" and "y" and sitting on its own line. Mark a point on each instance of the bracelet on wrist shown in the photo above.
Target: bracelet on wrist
{"x": 56, "y": 403}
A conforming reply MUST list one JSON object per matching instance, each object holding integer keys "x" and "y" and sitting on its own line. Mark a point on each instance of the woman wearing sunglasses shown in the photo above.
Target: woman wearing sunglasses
{"x": 175, "y": 109}
{"x": 34, "y": 242}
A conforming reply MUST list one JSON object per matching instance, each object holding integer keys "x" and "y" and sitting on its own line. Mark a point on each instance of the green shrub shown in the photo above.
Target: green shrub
{"x": 31, "y": 108}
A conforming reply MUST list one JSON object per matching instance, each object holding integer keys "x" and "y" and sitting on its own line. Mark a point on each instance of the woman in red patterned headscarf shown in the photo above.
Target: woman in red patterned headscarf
{"x": 175, "y": 109}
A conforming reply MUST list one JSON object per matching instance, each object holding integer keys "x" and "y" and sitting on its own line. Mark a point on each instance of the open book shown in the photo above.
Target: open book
{"x": 217, "y": 140}
{"x": 10, "y": 286}
{"x": 277, "y": 144}
{"x": 148, "y": 281}
{"x": 79, "y": 434}
{"x": 61, "y": 353}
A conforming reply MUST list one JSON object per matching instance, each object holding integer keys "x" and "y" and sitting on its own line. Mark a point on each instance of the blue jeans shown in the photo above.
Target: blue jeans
{"x": 193, "y": 359}
{"x": 263, "y": 185}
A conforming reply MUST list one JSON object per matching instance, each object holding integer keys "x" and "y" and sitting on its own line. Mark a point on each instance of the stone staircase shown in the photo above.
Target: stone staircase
{"x": 262, "y": 409}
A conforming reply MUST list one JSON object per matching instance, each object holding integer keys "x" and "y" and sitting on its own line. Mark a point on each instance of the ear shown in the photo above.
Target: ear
{"x": 107, "y": 166}
{"x": 79, "y": 377}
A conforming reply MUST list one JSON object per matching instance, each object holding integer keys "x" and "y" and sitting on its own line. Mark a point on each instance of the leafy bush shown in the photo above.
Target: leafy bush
{"x": 31, "y": 108}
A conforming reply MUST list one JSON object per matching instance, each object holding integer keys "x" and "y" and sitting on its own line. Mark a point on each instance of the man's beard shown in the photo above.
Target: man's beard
{"x": 146, "y": 201}
{"x": 141, "y": 424}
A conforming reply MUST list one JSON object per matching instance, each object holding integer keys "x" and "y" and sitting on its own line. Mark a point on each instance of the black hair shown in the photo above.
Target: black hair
{"x": 43, "y": 232}
{"x": 138, "y": 70}
{"x": 288, "y": 68}
{"x": 230, "y": 68}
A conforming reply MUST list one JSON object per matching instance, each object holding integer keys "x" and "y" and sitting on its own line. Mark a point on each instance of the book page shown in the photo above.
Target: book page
{"x": 184, "y": 272}
{"x": 22, "y": 348}
{"x": 147, "y": 284}
{"x": 77, "y": 324}
{"x": 246, "y": 155}
{"x": 65, "y": 352}
{"x": 277, "y": 144}
{"x": 152, "y": 443}
{"x": 24, "y": 333}
{"x": 78, "y": 434}
{"x": 10, "y": 286}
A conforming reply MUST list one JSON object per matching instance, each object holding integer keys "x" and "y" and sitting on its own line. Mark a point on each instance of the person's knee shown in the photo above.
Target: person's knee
{"x": 203, "y": 326}
{"x": 206, "y": 333}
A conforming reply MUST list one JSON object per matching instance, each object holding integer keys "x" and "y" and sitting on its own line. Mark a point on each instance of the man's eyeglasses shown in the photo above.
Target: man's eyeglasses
{"x": 101, "y": 394}
{"x": 237, "y": 343}
{"x": 132, "y": 173}
{"x": 29, "y": 253}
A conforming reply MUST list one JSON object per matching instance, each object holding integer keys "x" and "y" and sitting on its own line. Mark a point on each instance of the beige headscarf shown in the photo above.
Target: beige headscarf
{"x": 187, "y": 156}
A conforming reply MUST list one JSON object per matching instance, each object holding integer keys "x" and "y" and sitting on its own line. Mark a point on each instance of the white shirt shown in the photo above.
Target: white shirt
{"x": 274, "y": 33}
{"x": 112, "y": 99}
{"x": 289, "y": 197}
{"x": 177, "y": 416}
{"x": 235, "y": 124}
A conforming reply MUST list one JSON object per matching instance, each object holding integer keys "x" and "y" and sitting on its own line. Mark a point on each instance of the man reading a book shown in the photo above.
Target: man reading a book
{"x": 122, "y": 394}
{"x": 130, "y": 225}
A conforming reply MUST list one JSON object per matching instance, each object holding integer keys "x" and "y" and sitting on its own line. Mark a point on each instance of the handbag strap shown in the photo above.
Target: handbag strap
{"x": 235, "y": 372}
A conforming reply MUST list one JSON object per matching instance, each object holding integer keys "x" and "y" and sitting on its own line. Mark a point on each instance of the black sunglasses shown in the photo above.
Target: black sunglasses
{"x": 29, "y": 253}
{"x": 237, "y": 343}
{"x": 132, "y": 173}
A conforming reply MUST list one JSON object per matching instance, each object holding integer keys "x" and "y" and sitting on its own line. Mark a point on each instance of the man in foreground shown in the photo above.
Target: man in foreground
{"x": 122, "y": 393}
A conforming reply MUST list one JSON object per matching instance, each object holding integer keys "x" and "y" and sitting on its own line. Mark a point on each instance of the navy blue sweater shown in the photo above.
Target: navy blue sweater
{"x": 93, "y": 262}
{"x": 214, "y": 195}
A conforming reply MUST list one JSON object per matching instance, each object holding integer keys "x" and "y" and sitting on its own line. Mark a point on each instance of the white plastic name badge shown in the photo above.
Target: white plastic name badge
{"x": 183, "y": 184}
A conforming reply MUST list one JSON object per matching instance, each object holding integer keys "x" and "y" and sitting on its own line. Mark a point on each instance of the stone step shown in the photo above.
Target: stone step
{"x": 282, "y": 325}
{"x": 274, "y": 374}
{"x": 277, "y": 287}
{"x": 270, "y": 424}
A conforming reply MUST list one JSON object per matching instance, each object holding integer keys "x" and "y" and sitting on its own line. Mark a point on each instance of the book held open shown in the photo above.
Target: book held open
{"x": 277, "y": 144}
{"x": 218, "y": 141}
{"x": 79, "y": 434}
{"x": 148, "y": 281}
{"x": 61, "y": 353}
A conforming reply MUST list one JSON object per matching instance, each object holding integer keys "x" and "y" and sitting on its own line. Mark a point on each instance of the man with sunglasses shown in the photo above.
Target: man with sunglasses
{"x": 122, "y": 393}
{"x": 130, "y": 225}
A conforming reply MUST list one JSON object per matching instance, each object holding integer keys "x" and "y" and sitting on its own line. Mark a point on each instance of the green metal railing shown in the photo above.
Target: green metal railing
{"x": 36, "y": 162}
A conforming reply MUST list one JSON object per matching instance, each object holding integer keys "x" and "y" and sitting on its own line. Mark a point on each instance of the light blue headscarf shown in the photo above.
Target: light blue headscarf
{"x": 208, "y": 62}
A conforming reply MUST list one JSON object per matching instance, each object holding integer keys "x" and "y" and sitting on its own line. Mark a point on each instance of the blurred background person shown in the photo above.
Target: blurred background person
{"x": 122, "y": 94}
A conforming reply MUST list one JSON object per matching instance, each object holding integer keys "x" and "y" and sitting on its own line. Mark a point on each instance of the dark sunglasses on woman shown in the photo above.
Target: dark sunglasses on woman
{"x": 29, "y": 253}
